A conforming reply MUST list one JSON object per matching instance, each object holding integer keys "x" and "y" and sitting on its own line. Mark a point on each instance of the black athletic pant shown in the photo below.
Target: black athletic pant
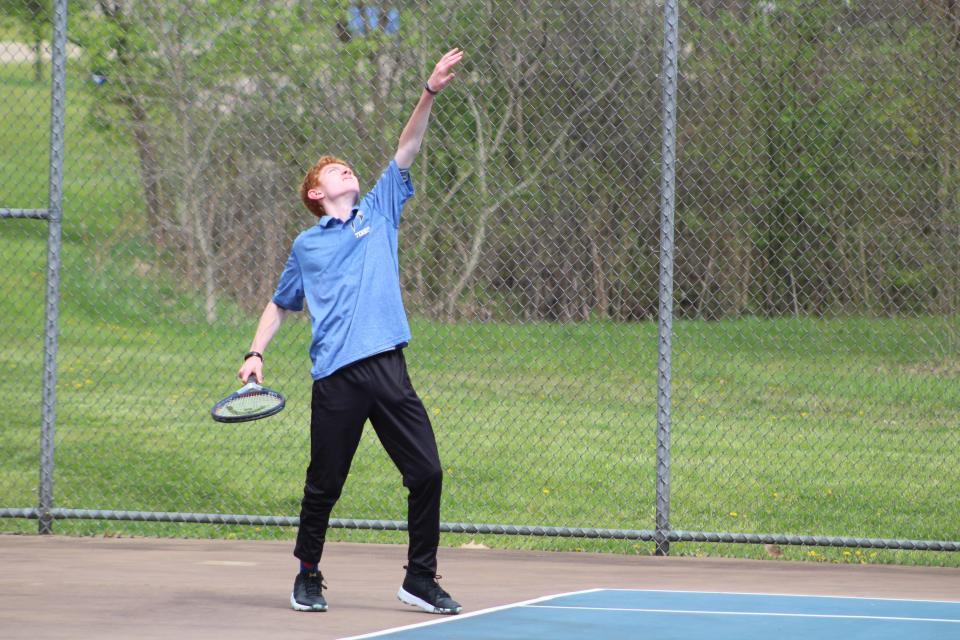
{"x": 377, "y": 388}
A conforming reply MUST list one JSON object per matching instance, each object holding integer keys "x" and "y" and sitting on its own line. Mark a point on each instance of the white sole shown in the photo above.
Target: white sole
{"x": 300, "y": 607}
{"x": 406, "y": 597}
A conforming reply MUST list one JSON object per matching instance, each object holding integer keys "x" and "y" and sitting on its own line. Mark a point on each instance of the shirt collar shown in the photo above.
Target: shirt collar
{"x": 328, "y": 221}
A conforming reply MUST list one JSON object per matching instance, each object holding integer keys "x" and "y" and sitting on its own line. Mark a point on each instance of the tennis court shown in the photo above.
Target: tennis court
{"x": 645, "y": 307}
{"x": 60, "y": 587}
{"x": 623, "y": 613}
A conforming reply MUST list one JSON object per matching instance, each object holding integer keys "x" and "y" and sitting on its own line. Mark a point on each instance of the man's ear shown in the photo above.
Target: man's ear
{"x": 315, "y": 194}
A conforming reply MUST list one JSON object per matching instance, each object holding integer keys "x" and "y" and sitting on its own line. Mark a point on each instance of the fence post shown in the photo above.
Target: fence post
{"x": 667, "y": 189}
{"x": 52, "y": 310}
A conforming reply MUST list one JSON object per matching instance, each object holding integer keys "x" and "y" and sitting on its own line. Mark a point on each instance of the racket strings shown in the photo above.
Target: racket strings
{"x": 249, "y": 404}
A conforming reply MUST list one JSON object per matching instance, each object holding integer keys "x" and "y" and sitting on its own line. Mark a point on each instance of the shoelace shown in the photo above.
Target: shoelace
{"x": 314, "y": 584}
{"x": 435, "y": 589}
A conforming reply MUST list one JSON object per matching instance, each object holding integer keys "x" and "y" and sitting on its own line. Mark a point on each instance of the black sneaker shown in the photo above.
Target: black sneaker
{"x": 307, "y": 592}
{"x": 423, "y": 591}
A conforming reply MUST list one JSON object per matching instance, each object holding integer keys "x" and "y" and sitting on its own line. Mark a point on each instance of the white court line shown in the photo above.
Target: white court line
{"x": 461, "y": 616}
{"x": 748, "y": 613}
{"x": 533, "y": 604}
{"x": 784, "y": 595}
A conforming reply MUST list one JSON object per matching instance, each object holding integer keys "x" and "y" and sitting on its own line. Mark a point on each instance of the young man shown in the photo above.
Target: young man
{"x": 346, "y": 268}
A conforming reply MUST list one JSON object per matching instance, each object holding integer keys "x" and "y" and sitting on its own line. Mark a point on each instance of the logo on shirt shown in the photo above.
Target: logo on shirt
{"x": 362, "y": 232}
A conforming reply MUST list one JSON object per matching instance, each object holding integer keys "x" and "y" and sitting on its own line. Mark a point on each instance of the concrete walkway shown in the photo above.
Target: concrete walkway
{"x": 20, "y": 52}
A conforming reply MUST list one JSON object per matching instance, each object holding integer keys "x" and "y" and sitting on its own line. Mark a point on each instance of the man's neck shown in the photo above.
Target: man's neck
{"x": 340, "y": 209}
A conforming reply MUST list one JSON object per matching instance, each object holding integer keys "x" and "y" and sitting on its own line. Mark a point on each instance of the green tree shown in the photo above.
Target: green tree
{"x": 226, "y": 103}
{"x": 34, "y": 16}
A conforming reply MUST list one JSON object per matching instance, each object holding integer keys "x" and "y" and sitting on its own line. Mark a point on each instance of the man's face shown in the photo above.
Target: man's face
{"x": 334, "y": 181}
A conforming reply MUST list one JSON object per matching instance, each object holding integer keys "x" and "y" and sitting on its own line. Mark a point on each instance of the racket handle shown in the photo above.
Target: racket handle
{"x": 251, "y": 378}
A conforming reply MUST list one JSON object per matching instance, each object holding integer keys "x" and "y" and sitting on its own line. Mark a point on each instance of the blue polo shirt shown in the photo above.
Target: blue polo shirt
{"x": 349, "y": 274}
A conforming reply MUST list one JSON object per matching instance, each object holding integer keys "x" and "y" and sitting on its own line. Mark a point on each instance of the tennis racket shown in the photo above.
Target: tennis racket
{"x": 249, "y": 402}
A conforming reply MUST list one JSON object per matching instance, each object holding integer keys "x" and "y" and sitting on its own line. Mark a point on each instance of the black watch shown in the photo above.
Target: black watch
{"x": 250, "y": 354}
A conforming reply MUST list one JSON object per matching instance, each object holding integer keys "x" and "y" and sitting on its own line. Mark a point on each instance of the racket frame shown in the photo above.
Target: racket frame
{"x": 245, "y": 389}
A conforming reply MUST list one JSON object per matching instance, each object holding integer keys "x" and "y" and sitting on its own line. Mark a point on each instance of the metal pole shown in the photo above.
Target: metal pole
{"x": 669, "y": 80}
{"x": 36, "y": 214}
{"x": 48, "y": 416}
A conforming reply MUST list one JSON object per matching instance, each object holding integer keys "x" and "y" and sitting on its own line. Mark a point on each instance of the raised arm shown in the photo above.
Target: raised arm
{"x": 416, "y": 126}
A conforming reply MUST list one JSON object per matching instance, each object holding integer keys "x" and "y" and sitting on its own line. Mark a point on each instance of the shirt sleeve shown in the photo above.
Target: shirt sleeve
{"x": 289, "y": 293}
{"x": 390, "y": 193}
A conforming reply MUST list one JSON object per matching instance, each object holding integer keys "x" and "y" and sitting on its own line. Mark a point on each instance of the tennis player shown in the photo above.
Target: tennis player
{"x": 346, "y": 268}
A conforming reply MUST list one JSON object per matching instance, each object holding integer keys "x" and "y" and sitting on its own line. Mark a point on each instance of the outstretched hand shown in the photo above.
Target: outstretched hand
{"x": 443, "y": 72}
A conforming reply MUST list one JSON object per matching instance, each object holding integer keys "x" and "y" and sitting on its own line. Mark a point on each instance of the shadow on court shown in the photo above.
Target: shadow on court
{"x": 59, "y": 587}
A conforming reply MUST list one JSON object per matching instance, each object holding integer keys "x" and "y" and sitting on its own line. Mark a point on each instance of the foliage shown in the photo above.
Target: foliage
{"x": 33, "y": 17}
{"x": 813, "y": 124}
{"x": 819, "y": 148}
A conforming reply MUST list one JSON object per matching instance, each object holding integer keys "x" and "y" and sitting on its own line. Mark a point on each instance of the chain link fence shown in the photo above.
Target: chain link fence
{"x": 816, "y": 263}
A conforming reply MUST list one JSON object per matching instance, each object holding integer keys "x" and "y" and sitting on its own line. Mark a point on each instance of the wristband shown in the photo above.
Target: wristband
{"x": 250, "y": 354}
{"x": 426, "y": 85}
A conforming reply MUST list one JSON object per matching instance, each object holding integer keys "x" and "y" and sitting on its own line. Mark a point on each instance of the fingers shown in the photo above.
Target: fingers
{"x": 252, "y": 370}
{"x": 442, "y": 73}
{"x": 450, "y": 58}
{"x": 454, "y": 58}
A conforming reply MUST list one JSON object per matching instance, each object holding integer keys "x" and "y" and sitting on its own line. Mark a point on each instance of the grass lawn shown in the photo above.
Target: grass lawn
{"x": 843, "y": 427}
{"x": 10, "y": 30}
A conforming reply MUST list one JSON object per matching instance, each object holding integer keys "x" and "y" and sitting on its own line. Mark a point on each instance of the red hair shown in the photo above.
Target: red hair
{"x": 312, "y": 179}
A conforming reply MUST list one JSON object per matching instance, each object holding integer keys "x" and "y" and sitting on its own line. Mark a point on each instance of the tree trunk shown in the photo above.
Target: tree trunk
{"x": 38, "y": 60}
{"x": 149, "y": 165}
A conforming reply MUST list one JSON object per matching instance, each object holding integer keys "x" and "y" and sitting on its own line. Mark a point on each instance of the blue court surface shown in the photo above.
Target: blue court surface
{"x": 617, "y": 614}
